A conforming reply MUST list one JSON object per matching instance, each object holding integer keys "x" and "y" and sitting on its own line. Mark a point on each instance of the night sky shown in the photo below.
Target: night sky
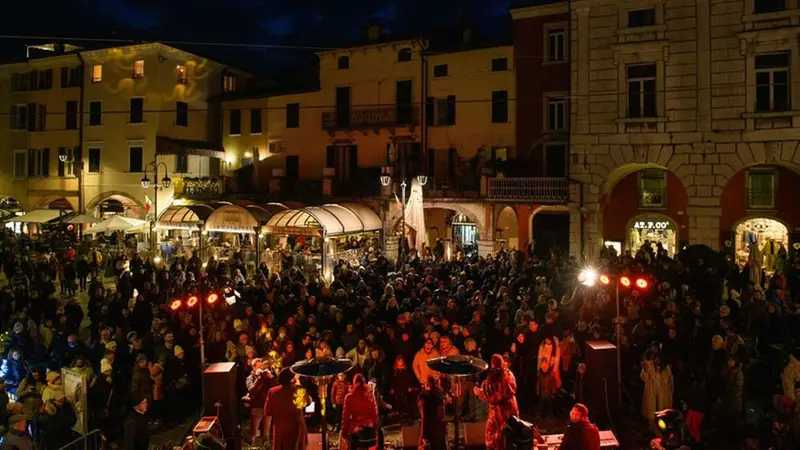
{"x": 305, "y": 23}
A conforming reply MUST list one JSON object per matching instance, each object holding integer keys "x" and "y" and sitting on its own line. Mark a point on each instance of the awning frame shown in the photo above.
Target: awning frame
{"x": 328, "y": 220}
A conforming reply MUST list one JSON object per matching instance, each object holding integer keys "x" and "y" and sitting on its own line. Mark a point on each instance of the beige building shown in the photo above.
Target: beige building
{"x": 683, "y": 122}
{"x": 400, "y": 104}
{"x": 115, "y": 110}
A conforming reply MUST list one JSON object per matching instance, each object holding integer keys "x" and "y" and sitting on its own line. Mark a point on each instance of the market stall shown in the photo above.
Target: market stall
{"x": 179, "y": 229}
{"x": 318, "y": 237}
{"x": 234, "y": 228}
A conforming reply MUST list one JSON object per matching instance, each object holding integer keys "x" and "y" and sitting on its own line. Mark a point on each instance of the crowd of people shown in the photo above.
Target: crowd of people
{"x": 698, "y": 340}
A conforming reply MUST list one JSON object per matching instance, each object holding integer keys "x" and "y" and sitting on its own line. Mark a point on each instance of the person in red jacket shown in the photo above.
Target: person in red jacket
{"x": 360, "y": 411}
{"x": 339, "y": 390}
{"x": 499, "y": 391}
{"x": 581, "y": 434}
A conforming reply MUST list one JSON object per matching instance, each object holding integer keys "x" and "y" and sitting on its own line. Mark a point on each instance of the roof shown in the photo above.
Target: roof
{"x": 238, "y": 219}
{"x": 184, "y": 216}
{"x": 38, "y": 216}
{"x": 327, "y": 220}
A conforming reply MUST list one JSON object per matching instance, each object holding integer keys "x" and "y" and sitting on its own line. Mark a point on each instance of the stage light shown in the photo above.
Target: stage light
{"x": 625, "y": 281}
{"x": 642, "y": 283}
{"x": 212, "y": 298}
{"x": 191, "y": 301}
{"x": 588, "y": 277}
{"x": 175, "y": 305}
{"x": 604, "y": 280}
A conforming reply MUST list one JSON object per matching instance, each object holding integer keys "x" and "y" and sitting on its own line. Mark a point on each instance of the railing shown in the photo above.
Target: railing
{"x": 552, "y": 190}
{"x": 450, "y": 187}
{"x": 372, "y": 117}
{"x": 200, "y": 187}
{"x": 93, "y": 440}
{"x": 760, "y": 198}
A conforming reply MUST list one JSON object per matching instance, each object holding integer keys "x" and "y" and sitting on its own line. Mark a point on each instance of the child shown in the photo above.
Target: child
{"x": 403, "y": 389}
{"x": 546, "y": 386}
{"x": 339, "y": 389}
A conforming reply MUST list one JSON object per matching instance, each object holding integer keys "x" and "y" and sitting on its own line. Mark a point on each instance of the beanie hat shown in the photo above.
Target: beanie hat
{"x": 141, "y": 357}
{"x": 105, "y": 366}
{"x": 111, "y": 346}
{"x": 53, "y": 376}
{"x": 178, "y": 350}
{"x": 131, "y": 336}
{"x": 497, "y": 361}
{"x": 237, "y": 324}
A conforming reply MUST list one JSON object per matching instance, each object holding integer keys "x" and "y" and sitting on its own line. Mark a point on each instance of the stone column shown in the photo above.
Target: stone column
{"x": 392, "y": 248}
{"x": 704, "y": 226}
{"x": 485, "y": 248}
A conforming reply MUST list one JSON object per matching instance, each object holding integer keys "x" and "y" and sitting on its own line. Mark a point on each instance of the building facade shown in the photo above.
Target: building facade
{"x": 683, "y": 126}
{"x": 108, "y": 114}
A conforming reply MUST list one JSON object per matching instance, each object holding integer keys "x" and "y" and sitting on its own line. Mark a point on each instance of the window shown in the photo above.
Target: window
{"x": 499, "y": 64}
{"x": 343, "y": 63}
{"x": 652, "y": 187}
{"x": 67, "y": 168}
{"x": 97, "y": 73}
{"x": 19, "y": 117}
{"x": 137, "y": 110}
{"x": 20, "y": 163}
{"x": 71, "y": 116}
{"x": 441, "y": 111}
{"x": 135, "y": 164}
{"x": 641, "y": 90}
{"x": 499, "y": 106}
{"x": 556, "y": 45}
{"x": 182, "y": 114}
{"x": 768, "y": 6}
{"x": 772, "y": 82}
{"x": 556, "y": 114}
{"x": 39, "y": 162}
{"x": 181, "y": 69}
{"x": 95, "y": 113}
{"x": 641, "y": 17}
{"x": 138, "y": 68}
{"x": 70, "y": 77}
{"x": 760, "y": 188}
{"x": 94, "y": 160}
{"x": 32, "y": 116}
{"x": 404, "y": 55}
{"x": 255, "y": 121}
{"x": 292, "y": 115}
{"x": 229, "y": 83}
{"x": 41, "y": 124}
{"x": 235, "y": 125}
{"x": 182, "y": 163}
{"x": 440, "y": 70}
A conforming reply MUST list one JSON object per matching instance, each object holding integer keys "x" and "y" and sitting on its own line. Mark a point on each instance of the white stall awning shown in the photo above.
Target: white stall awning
{"x": 38, "y": 216}
{"x": 333, "y": 219}
{"x": 184, "y": 217}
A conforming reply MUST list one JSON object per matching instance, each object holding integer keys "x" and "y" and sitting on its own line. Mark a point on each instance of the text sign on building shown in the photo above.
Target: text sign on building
{"x": 651, "y": 225}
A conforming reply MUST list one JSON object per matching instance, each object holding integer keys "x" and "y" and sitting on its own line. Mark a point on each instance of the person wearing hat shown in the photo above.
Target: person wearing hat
{"x": 137, "y": 429}
{"x": 17, "y": 437}
{"x": 288, "y": 420}
{"x": 141, "y": 383}
{"x": 101, "y": 401}
{"x": 499, "y": 391}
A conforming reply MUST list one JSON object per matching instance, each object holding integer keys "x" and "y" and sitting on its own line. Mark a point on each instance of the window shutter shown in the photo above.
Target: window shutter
{"x": 429, "y": 112}
{"x": 451, "y": 109}
{"x": 330, "y": 156}
{"x": 353, "y": 156}
{"x": 389, "y": 154}
{"x": 31, "y": 162}
{"x": 48, "y": 79}
{"x": 12, "y": 117}
{"x": 61, "y": 151}
{"x": 64, "y": 76}
{"x": 78, "y": 158}
{"x": 31, "y": 116}
{"x": 45, "y": 162}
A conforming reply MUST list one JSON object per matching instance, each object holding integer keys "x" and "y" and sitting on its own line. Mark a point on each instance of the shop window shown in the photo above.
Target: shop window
{"x": 658, "y": 232}
{"x": 760, "y": 189}
{"x": 652, "y": 188}
{"x": 768, "y": 6}
{"x": 641, "y": 90}
{"x": 772, "y": 82}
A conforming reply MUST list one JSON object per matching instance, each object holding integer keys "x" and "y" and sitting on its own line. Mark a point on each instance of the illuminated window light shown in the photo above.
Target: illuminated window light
{"x": 181, "y": 73}
{"x": 97, "y": 73}
{"x": 138, "y": 68}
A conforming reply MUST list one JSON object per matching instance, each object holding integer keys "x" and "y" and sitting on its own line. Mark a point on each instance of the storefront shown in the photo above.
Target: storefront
{"x": 769, "y": 235}
{"x": 318, "y": 237}
{"x": 233, "y": 228}
{"x": 654, "y": 229}
{"x": 179, "y": 229}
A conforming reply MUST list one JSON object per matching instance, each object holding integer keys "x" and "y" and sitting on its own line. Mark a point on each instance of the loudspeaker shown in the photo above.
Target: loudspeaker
{"x": 219, "y": 383}
{"x": 474, "y": 435}
{"x": 409, "y": 438}
{"x": 600, "y": 381}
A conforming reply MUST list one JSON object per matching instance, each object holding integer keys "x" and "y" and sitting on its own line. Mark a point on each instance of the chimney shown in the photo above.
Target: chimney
{"x": 374, "y": 31}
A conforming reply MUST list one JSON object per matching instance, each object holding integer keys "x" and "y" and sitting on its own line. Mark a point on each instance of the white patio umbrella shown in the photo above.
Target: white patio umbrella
{"x": 82, "y": 219}
{"x": 119, "y": 223}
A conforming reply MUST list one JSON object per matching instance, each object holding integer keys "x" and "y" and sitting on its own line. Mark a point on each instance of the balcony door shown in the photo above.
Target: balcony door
{"x": 343, "y": 106}
{"x": 343, "y": 158}
{"x": 555, "y": 160}
{"x": 404, "y": 102}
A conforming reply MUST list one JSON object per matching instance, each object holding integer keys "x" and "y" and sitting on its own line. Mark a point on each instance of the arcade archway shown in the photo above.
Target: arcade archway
{"x": 507, "y": 228}
{"x": 115, "y": 203}
{"x": 768, "y": 234}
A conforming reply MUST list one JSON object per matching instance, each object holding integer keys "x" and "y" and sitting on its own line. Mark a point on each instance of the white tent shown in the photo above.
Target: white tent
{"x": 37, "y": 216}
{"x": 120, "y": 223}
{"x": 82, "y": 219}
{"x": 415, "y": 215}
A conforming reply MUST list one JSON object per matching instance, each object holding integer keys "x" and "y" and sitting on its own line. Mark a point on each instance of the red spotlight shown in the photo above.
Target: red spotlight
{"x": 642, "y": 283}
{"x": 604, "y": 280}
{"x": 191, "y": 301}
{"x": 212, "y": 298}
{"x": 175, "y": 305}
{"x": 625, "y": 281}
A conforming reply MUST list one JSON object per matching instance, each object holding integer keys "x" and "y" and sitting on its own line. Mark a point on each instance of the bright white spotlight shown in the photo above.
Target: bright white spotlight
{"x": 588, "y": 277}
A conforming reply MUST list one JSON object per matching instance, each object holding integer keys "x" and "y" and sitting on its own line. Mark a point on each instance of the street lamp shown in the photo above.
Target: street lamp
{"x": 385, "y": 181}
{"x": 166, "y": 182}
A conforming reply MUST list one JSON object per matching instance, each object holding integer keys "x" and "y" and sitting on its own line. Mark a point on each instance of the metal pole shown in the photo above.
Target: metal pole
{"x": 155, "y": 207}
{"x": 403, "y": 229}
{"x": 619, "y": 352}
{"x": 202, "y": 353}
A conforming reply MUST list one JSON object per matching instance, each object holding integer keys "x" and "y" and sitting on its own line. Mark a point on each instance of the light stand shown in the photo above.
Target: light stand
{"x": 165, "y": 183}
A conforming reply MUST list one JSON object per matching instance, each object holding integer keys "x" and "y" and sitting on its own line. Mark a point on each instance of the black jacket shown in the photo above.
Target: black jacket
{"x": 137, "y": 432}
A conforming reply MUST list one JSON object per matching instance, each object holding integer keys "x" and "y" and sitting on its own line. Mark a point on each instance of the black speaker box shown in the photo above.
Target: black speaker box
{"x": 600, "y": 381}
{"x": 219, "y": 399}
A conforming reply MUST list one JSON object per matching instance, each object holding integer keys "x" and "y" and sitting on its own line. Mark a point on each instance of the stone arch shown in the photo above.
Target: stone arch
{"x": 621, "y": 160}
{"x": 135, "y": 207}
{"x": 507, "y": 225}
{"x": 474, "y": 211}
{"x": 59, "y": 201}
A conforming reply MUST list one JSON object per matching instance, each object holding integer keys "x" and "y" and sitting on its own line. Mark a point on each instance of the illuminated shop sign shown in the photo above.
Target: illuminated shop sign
{"x": 651, "y": 225}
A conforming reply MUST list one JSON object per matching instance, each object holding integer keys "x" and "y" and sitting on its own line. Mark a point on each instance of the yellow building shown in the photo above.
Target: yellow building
{"x": 108, "y": 113}
{"x": 401, "y": 105}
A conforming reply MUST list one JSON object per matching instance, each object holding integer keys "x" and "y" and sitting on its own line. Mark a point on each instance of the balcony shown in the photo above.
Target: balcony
{"x": 453, "y": 187}
{"x": 364, "y": 118}
{"x": 206, "y": 188}
{"x": 545, "y": 190}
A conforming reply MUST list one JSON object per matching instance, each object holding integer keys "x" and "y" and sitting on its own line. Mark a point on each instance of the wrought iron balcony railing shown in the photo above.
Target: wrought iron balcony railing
{"x": 546, "y": 190}
{"x": 370, "y": 117}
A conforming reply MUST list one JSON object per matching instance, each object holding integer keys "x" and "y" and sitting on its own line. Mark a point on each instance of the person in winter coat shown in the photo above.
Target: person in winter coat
{"x": 360, "y": 411}
{"x": 339, "y": 390}
{"x": 137, "y": 429}
{"x": 14, "y": 369}
{"x": 258, "y": 384}
{"x": 156, "y": 371}
{"x": 53, "y": 391}
{"x": 30, "y": 391}
{"x": 359, "y": 354}
{"x": 731, "y": 399}
{"x": 17, "y": 437}
{"x": 403, "y": 388}
{"x": 791, "y": 375}
{"x": 285, "y": 404}
{"x": 101, "y": 402}
{"x": 420, "y": 366}
{"x": 433, "y": 427}
{"x": 141, "y": 383}
{"x": 658, "y": 389}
